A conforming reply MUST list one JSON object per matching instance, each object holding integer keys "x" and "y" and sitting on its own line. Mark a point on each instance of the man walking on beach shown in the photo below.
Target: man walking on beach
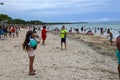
{"x": 63, "y": 33}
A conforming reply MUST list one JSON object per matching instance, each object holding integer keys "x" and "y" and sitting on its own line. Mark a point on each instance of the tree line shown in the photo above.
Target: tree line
{"x": 4, "y": 17}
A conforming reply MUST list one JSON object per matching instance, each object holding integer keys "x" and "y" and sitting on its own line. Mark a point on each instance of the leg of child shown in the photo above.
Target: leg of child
{"x": 31, "y": 69}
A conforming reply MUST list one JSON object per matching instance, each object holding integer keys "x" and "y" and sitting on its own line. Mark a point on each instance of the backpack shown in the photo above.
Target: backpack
{"x": 33, "y": 43}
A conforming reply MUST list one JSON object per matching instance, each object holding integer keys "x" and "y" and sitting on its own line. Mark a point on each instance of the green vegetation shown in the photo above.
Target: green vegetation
{"x": 4, "y": 17}
{"x": 9, "y": 20}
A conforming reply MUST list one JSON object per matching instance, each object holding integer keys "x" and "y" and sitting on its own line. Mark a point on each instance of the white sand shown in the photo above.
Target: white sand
{"x": 78, "y": 62}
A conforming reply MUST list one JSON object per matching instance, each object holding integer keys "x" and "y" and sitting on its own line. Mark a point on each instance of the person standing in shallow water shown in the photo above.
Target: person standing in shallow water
{"x": 29, "y": 45}
{"x": 63, "y": 33}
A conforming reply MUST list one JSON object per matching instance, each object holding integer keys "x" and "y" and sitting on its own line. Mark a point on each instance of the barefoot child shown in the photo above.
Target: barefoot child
{"x": 44, "y": 34}
{"x": 29, "y": 45}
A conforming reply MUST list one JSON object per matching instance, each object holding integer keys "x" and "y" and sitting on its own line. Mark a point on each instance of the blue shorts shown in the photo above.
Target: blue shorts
{"x": 118, "y": 55}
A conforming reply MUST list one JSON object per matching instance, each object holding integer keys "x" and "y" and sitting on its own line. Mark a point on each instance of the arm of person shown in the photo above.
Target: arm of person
{"x": 66, "y": 31}
{"x": 108, "y": 36}
{"x": 118, "y": 43}
{"x": 38, "y": 40}
{"x": 118, "y": 46}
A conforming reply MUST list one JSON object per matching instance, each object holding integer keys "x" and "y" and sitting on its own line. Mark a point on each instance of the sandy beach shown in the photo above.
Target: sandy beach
{"x": 86, "y": 58}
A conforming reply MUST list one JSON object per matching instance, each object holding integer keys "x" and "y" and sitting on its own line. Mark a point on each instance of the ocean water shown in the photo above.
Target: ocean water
{"x": 113, "y": 26}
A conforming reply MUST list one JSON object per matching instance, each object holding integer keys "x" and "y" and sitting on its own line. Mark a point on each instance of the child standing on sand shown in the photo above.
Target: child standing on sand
{"x": 29, "y": 45}
{"x": 13, "y": 31}
{"x": 44, "y": 34}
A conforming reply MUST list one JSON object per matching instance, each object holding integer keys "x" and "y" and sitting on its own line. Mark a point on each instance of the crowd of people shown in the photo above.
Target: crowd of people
{"x": 9, "y": 32}
{"x": 92, "y": 31}
{"x": 32, "y": 39}
{"x": 63, "y": 32}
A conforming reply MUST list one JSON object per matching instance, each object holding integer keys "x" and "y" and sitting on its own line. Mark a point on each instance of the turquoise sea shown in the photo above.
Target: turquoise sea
{"x": 113, "y": 26}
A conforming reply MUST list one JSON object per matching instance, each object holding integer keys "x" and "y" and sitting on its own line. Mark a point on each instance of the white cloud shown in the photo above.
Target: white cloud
{"x": 84, "y": 5}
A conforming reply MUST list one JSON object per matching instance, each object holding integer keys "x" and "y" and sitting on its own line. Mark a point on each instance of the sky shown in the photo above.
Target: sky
{"x": 62, "y": 10}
